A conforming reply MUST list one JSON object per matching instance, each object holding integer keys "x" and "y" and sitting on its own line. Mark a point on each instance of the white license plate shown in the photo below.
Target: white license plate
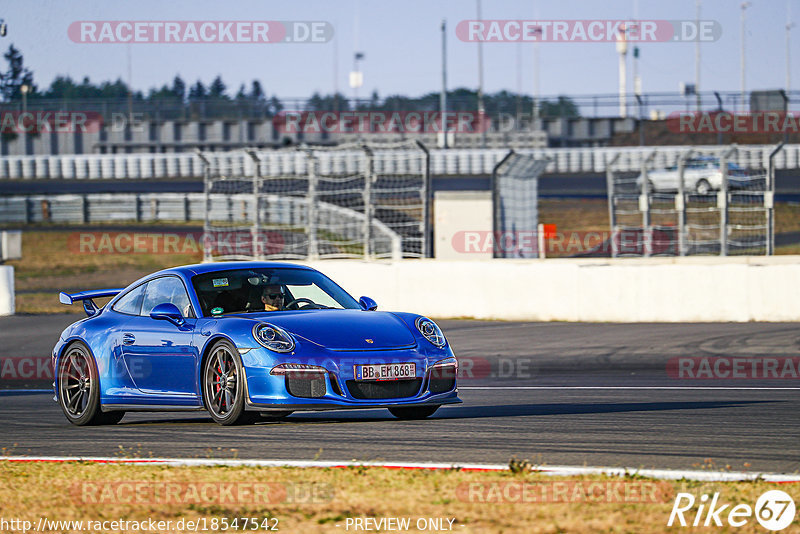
{"x": 386, "y": 371}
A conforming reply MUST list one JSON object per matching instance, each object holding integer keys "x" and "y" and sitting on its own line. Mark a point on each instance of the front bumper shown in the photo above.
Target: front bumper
{"x": 336, "y": 387}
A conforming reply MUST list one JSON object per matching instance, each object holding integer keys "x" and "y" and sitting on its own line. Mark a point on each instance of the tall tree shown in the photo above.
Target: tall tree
{"x": 16, "y": 76}
{"x": 217, "y": 89}
{"x": 241, "y": 94}
{"x": 197, "y": 91}
{"x": 179, "y": 88}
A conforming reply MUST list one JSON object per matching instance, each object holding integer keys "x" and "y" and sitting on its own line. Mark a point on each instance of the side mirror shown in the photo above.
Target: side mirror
{"x": 368, "y": 304}
{"x": 169, "y": 312}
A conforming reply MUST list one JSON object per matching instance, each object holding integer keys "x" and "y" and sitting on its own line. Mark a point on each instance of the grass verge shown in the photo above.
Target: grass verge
{"x": 322, "y": 500}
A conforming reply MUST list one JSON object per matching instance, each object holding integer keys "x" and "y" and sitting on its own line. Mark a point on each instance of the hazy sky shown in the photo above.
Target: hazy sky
{"x": 401, "y": 42}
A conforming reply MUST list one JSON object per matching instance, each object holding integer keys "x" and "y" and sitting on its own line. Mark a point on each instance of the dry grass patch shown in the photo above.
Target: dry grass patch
{"x": 321, "y": 500}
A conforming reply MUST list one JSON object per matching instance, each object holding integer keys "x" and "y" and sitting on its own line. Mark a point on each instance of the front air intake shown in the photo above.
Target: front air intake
{"x": 306, "y": 385}
{"x": 388, "y": 389}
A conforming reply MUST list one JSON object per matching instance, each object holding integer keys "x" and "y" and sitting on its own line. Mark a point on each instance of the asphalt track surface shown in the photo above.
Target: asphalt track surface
{"x": 747, "y": 429}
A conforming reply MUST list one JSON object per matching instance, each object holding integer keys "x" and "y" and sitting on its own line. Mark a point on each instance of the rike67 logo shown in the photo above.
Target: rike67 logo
{"x": 774, "y": 510}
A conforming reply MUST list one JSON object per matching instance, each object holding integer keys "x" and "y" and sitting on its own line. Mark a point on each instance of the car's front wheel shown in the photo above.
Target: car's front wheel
{"x": 79, "y": 389}
{"x": 223, "y": 386}
{"x": 415, "y": 412}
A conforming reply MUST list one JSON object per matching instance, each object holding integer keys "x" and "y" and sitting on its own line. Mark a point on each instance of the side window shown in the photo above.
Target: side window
{"x": 131, "y": 303}
{"x": 166, "y": 289}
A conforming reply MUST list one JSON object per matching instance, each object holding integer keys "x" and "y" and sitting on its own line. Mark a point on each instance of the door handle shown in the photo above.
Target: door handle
{"x": 128, "y": 339}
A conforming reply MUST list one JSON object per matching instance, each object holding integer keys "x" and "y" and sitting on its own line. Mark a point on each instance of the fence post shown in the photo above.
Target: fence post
{"x": 313, "y": 249}
{"x": 644, "y": 206}
{"x": 207, "y": 201}
{"x": 722, "y": 201}
{"x": 368, "y": 178}
{"x": 497, "y": 221}
{"x": 84, "y": 208}
{"x": 680, "y": 201}
{"x": 769, "y": 199}
{"x": 427, "y": 204}
{"x": 255, "y": 230}
{"x": 612, "y": 215}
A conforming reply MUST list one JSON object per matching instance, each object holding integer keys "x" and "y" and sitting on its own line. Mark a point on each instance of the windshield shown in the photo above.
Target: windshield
{"x": 269, "y": 289}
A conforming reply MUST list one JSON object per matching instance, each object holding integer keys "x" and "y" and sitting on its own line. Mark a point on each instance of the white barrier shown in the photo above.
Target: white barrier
{"x": 462, "y": 161}
{"x": 698, "y": 289}
{"x": 6, "y": 290}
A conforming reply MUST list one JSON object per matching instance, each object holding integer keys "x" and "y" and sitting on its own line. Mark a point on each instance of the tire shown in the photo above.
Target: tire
{"x": 702, "y": 187}
{"x": 223, "y": 386}
{"x": 79, "y": 388}
{"x": 416, "y": 412}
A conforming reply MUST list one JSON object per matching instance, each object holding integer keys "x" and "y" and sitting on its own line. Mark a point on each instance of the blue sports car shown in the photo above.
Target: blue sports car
{"x": 246, "y": 340}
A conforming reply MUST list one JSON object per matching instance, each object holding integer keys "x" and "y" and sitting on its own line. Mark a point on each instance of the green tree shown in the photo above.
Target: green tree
{"x": 197, "y": 91}
{"x": 16, "y": 76}
{"x": 217, "y": 89}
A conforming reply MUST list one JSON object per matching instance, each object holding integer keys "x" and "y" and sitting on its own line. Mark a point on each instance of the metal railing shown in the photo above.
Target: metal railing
{"x": 717, "y": 201}
{"x": 454, "y": 162}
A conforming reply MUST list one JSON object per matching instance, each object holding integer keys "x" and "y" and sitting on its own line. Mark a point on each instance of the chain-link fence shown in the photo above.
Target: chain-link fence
{"x": 515, "y": 202}
{"x": 345, "y": 202}
{"x": 712, "y": 201}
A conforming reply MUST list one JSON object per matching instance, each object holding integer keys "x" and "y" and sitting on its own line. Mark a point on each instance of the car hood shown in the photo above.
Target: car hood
{"x": 344, "y": 329}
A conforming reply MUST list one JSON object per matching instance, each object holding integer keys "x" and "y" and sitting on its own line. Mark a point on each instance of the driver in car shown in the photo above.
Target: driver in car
{"x": 272, "y": 298}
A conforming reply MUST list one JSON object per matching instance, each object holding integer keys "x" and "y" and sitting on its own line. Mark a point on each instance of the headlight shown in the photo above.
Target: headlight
{"x": 273, "y": 337}
{"x": 430, "y": 331}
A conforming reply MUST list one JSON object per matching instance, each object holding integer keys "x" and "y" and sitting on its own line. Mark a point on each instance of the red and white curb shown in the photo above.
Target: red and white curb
{"x": 551, "y": 470}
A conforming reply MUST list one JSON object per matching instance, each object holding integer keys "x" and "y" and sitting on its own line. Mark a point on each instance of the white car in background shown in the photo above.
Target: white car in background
{"x": 700, "y": 176}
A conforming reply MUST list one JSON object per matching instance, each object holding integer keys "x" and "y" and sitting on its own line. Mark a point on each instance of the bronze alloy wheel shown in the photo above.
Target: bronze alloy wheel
{"x": 223, "y": 386}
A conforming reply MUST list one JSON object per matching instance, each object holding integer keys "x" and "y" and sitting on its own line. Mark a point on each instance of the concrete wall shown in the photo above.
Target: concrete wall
{"x": 623, "y": 290}
{"x": 6, "y": 290}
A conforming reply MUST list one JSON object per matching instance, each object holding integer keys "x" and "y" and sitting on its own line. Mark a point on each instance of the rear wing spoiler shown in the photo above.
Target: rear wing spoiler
{"x": 86, "y": 297}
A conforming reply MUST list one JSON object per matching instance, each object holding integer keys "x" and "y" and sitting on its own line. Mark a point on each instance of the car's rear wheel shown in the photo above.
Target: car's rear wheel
{"x": 79, "y": 389}
{"x": 703, "y": 187}
{"x": 416, "y": 412}
{"x": 223, "y": 386}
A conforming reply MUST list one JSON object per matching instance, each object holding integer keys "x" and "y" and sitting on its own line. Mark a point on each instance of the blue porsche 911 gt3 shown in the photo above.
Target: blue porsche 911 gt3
{"x": 244, "y": 340}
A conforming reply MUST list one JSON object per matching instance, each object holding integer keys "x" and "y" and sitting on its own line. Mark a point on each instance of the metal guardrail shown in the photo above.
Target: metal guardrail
{"x": 182, "y": 207}
{"x": 443, "y": 162}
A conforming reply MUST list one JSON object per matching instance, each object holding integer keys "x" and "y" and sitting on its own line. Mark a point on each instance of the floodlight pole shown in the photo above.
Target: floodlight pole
{"x": 481, "y": 108}
{"x": 744, "y": 7}
{"x": 443, "y": 95}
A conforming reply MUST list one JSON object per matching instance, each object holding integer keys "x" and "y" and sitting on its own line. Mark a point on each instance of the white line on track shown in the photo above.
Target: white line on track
{"x": 552, "y": 470}
{"x": 710, "y": 388}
